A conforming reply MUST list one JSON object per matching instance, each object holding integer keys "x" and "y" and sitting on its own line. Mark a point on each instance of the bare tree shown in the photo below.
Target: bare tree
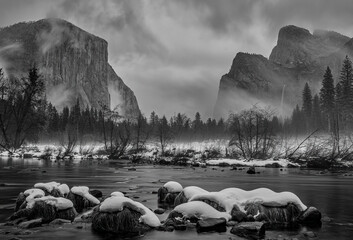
{"x": 252, "y": 133}
{"x": 141, "y": 132}
{"x": 164, "y": 133}
{"x": 116, "y": 133}
{"x": 69, "y": 139}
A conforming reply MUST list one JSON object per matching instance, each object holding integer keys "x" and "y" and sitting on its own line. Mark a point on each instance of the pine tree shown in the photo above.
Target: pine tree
{"x": 346, "y": 96}
{"x": 197, "y": 125}
{"x": 327, "y": 97}
{"x": 297, "y": 120}
{"x": 307, "y": 105}
{"x": 316, "y": 113}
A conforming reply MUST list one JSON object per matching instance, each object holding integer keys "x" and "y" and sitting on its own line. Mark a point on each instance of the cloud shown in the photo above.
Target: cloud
{"x": 60, "y": 96}
{"x": 120, "y": 21}
{"x": 7, "y": 50}
{"x": 51, "y": 38}
{"x": 173, "y": 53}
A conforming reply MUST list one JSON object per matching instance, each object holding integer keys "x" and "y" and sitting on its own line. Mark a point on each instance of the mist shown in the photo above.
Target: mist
{"x": 168, "y": 52}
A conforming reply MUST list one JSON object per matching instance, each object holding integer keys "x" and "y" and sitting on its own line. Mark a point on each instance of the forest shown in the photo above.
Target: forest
{"x": 27, "y": 117}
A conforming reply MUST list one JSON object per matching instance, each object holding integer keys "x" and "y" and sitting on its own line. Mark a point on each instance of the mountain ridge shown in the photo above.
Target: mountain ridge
{"x": 73, "y": 62}
{"x": 298, "y": 57}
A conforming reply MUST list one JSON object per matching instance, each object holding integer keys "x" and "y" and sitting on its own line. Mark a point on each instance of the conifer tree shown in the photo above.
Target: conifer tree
{"x": 316, "y": 113}
{"x": 346, "y": 95}
{"x": 327, "y": 97}
{"x": 307, "y": 105}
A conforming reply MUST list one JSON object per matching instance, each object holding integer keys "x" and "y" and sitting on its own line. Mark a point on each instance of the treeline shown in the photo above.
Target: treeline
{"x": 26, "y": 116}
{"x": 330, "y": 110}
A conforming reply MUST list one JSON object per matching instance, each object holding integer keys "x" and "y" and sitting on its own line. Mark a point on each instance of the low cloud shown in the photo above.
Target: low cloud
{"x": 173, "y": 53}
{"x": 60, "y": 96}
{"x": 6, "y": 51}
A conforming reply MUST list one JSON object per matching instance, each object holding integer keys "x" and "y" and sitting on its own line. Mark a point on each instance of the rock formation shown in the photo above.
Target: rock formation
{"x": 298, "y": 57}
{"x": 73, "y": 62}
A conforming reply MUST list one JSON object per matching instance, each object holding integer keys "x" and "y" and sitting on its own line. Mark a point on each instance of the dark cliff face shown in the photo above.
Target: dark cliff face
{"x": 73, "y": 62}
{"x": 125, "y": 100}
{"x": 298, "y": 57}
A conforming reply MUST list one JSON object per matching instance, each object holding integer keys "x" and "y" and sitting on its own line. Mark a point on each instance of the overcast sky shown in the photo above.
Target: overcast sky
{"x": 172, "y": 53}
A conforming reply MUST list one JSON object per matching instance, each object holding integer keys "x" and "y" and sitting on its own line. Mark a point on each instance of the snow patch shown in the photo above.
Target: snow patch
{"x": 83, "y": 191}
{"x": 47, "y": 186}
{"x": 200, "y": 210}
{"x": 173, "y": 187}
{"x": 64, "y": 189}
{"x": 115, "y": 204}
{"x": 255, "y": 162}
{"x": 60, "y": 203}
{"x": 191, "y": 191}
{"x": 117, "y": 194}
{"x": 33, "y": 193}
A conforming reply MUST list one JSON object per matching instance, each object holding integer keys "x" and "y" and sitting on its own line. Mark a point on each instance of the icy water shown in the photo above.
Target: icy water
{"x": 332, "y": 194}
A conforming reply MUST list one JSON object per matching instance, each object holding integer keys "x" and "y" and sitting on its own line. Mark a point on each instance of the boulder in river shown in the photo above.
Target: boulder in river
{"x": 31, "y": 223}
{"x": 211, "y": 224}
{"x": 249, "y": 230}
{"x": 311, "y": 216}
{"x": 82, "y": 198}
{"x": 123, "y": 216}
{"x": 168, "y": 193}
{"x": 251, "y": 170}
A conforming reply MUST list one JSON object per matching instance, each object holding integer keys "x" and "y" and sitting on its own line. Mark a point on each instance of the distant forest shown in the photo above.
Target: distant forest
{"x": 26, "y": 116}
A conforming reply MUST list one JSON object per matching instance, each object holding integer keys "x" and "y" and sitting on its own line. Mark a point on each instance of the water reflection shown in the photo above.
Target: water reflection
{"x": 22, "y": 162}
{"x": 330, "y": 193}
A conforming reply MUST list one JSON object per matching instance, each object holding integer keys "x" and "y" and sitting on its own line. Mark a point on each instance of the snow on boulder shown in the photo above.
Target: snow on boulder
{"x": 173, "y": 187}
{"x": 117, "y": 204}
{"x": 82, "y": 198}
{"x": 168, "y": 192}
{"x": 265, "y": 196}
{"x": 33, "y": 193}
{"x": 191, "y": 191}
{"x": 200, "y": 210}
{"x": 64, "y": 189}
{"x": 83, "y": 191}
{"x": 58, "y": 202}
{"x": 227, "y": 198}
{"x": 47, "y": 186}
{"x": 187, "y": 193}
{"x": 47, "y": 208}
{"x": 117, "y": 194}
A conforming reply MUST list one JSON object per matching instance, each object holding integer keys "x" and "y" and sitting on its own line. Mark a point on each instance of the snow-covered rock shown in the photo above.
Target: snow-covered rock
{"x": 64, "y": 189}
{"x": 47, "y": 186}
{"x": 117, "y": 194}
{"x": 229, "y": 197}
{"x": 58, "y": 202}
{"x": 173, "y": 187}
{"x": 33, "y": 193}
{"x": 191, "y": 191}
{"x": 116, "y": 204}
{"x": 83, "y": 191}
{"x": 200, "y": 210}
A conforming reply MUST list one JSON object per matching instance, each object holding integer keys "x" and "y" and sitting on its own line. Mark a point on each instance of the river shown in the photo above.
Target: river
{"x": 331, "y": 193}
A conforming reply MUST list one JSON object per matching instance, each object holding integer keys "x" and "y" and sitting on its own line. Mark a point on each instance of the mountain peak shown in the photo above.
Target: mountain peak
{"x": 293, "y": 33}
{"x": 298, "y": 57}
{"x": 73, "y": 62}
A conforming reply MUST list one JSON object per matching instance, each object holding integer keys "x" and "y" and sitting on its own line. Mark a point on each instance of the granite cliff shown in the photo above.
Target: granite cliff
{"x": 298, "y": 57}
{"x": 73, "y": 63}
